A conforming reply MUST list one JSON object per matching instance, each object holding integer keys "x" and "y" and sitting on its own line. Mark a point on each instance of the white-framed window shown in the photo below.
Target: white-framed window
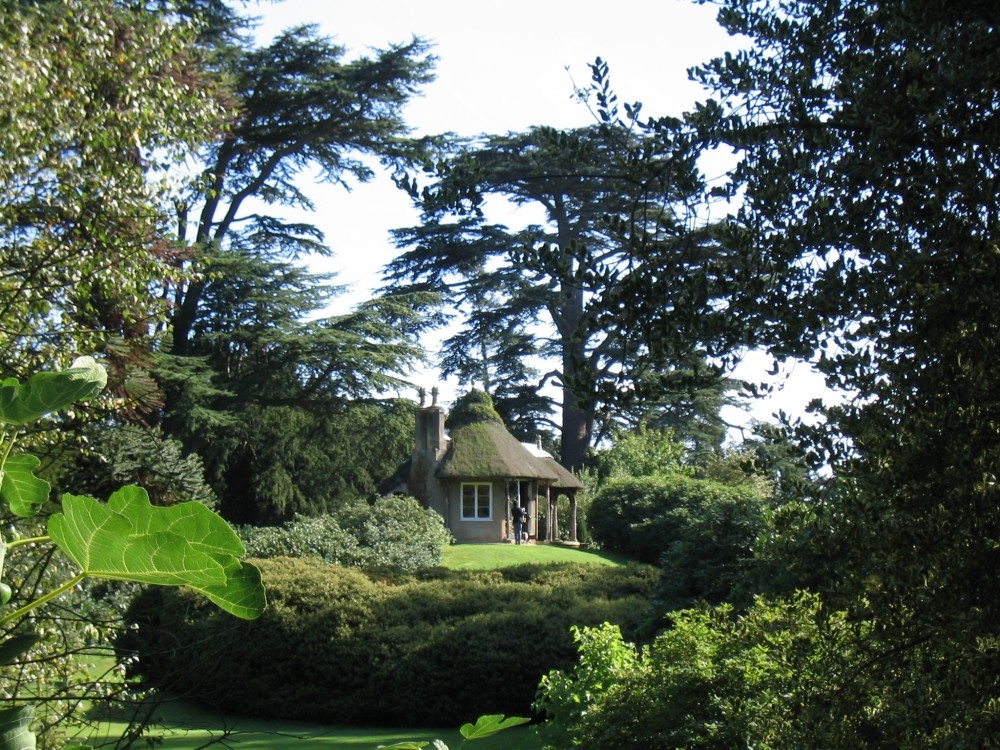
{"x": 477, "y": 502}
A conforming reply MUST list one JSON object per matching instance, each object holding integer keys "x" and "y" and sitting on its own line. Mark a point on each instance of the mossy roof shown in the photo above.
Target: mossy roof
{"x": 565, "y": 478}
{"x": 472, "y": 407}
{"x": 481, "y": 448}
{"x": 485, "y": 450}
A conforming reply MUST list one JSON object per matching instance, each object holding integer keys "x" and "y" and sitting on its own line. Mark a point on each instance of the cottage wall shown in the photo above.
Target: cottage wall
{"x": 476, "y": 530}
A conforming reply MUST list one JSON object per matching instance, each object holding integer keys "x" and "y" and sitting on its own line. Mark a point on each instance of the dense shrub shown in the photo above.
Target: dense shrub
{"x": 566, "y": 698}
{"x": 391, "y": 532}
{"x": 619, "y": 510}
{"x": 429, "y": 648}
{"x": 785, "y": 675}
{"x": 699, "y": 531}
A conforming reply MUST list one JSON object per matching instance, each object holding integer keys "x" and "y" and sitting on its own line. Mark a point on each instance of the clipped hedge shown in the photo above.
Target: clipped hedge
{"x": 436, "y": 648}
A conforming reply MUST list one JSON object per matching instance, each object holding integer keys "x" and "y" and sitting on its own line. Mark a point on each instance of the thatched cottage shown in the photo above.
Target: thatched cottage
{"x": 476, "y": 472}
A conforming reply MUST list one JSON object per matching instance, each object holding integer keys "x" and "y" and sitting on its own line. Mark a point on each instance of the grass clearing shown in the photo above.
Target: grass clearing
{"x": 188, "y": 727}
{"x": 487, "y": 556}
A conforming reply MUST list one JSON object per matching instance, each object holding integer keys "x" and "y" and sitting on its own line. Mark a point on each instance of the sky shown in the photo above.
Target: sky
{"x": 505, "y": 67}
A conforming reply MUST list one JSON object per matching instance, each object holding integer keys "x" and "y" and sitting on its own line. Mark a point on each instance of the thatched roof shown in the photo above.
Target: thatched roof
{"x": 485, "y": 450}
{"x": 472, "y": 408}
{"x": 565, "y": 479}
{"x": 481, "y": 447}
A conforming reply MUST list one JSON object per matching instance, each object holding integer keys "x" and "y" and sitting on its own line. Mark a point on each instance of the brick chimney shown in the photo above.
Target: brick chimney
{"x": 429, "y": 448}
{"x": 430, "y": 433}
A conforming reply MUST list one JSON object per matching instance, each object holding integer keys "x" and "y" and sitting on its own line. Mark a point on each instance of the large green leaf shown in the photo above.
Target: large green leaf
{"x": 14, "y": 732}
{"x": 183, "y": 545}
{"x": 20, "y": 488}
{"x": 48, "y": 392}
{"x": 490, "y": 725}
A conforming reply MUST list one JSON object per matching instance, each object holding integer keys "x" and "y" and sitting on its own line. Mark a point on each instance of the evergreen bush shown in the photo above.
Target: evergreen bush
{"x": 700, "y": 532}
{"x": 787, "y": 674}
{"x": 432, "y": 648}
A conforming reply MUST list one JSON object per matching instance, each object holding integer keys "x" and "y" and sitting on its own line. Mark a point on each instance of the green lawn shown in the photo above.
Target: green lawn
{"x": 187, "y": 727}
{"x": 485, "y": 556}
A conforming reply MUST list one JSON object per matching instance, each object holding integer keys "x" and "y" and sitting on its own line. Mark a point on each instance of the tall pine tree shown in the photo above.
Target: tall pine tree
{"x": 611, "y": 196}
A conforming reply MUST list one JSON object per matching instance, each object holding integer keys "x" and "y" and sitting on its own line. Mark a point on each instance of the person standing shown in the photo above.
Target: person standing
{"x": 518, "y": 516}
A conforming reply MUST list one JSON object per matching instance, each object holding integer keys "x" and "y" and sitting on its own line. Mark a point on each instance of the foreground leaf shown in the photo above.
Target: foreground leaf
{"x": 489, "y": 725}
{"x": 14, "y": 732}
{"x": 48, "y": 392}
{"x": 15, "y": 646}
{"x": 183, "y": 545}
{"x": 20, "y": 488}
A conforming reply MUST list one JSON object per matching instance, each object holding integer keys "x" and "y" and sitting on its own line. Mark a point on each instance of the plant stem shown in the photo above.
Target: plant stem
{"x": 33, "y": 540}
{"x": 59, "y": 591}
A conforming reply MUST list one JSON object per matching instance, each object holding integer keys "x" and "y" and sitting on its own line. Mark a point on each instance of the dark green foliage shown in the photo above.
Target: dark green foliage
{"x": 495, "y": 356}
{"x": 394, "y": 532}
{"x": 712, "y": 558}
{"x": 269, "y": 391}
{"x": 430, "y": 649}
{"x": 865, "y": 235}
{"x": 281, "y": 461}
{"x": 700, "y": 532}
{"x": 276, "y": 400}
{"x": 113, "y": 458}
{"x": 613, "y": 195}
{"x": 618, "y": 511}
{"x": 868, "y": 224}
{"x": 301, "y": 105}
{"x": 715, "y": 681}
{"x": 870, "y": 158}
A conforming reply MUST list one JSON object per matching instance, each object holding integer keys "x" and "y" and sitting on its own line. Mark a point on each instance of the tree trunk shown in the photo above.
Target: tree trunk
{"x": 576, "y": 432}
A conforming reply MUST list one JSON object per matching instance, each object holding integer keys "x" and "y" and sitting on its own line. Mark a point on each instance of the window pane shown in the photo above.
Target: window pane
{"x": 468, "y": 501}
{"x": 476, "y": 501}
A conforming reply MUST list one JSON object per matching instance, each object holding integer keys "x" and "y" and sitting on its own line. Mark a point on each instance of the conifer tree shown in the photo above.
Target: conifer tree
{"x": 613, "y": 195}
